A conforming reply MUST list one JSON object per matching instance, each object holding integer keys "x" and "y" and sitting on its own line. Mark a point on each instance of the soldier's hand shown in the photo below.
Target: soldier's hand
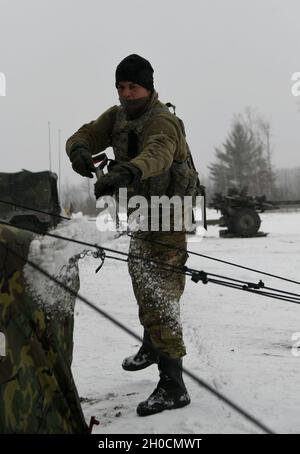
{"x": 82, "y": 162}
{"x": 121, "y": 176}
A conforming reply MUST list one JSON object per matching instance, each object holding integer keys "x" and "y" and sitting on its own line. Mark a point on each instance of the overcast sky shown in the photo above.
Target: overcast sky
{"x": 212, "y": 59}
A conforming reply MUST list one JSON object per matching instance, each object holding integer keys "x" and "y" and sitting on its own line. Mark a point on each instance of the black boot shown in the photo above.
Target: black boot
{"x": 170, "y": 392}
{"x": 143, "y": 358}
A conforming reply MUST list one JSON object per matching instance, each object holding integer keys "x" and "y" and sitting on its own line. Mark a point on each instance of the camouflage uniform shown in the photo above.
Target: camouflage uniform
{"x": 37, "y": 391}
{"x": 158, "y": 290}
{"x": 155, "y": 144}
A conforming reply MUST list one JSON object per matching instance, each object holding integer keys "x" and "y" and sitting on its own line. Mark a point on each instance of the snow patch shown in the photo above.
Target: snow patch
{"x": 241, "y": 344}
{"x": 59, "y": 258}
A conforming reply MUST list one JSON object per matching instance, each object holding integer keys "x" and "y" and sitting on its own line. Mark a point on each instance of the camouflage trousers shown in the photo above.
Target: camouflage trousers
{"x": 158, "y": 289}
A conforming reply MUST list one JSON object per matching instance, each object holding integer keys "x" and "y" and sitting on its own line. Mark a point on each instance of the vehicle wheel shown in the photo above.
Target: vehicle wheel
{"x": 245, "y": 222}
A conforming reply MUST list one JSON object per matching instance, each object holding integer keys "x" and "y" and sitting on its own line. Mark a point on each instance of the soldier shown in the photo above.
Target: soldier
{"x": 150, "y": 159}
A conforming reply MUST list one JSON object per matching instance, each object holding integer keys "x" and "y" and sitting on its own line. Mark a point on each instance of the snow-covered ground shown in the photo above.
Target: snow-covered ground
{"x": 238, "y": 342}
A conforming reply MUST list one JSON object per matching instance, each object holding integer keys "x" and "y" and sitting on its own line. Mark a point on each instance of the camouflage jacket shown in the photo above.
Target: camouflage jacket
{"x": 160, "y": 139}
{"x": 154, "y": 143}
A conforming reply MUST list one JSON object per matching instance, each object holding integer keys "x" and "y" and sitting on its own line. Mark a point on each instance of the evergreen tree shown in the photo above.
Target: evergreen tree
{"x": 242, "y": 162}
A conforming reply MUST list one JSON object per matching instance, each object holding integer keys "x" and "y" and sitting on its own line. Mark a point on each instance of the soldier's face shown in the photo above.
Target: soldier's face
{"x": 131, "y": 90}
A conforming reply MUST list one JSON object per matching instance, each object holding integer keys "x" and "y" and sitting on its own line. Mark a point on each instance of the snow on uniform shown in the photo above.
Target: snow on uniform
{"x": 155, "y": 144}
{"x": 158, "y": 290}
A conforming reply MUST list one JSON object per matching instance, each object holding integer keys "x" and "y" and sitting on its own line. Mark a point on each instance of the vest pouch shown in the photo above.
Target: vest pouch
{"x": 193, "y": 186}
{"x": 154, "y": 186}
{"x": 183, "y": 179}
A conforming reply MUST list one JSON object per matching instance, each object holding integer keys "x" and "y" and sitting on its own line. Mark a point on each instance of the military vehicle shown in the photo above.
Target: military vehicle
{"x": 240, "y": 212}
{"x": 37, "y": 390}
{"x": 29, "y": 189}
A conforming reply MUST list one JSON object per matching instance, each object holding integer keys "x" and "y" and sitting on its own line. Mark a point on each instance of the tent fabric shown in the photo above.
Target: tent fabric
{"x": 37, "y": 391}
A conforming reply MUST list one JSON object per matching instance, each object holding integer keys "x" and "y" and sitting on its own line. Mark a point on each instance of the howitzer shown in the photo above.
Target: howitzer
{"x": 240, "y": 212}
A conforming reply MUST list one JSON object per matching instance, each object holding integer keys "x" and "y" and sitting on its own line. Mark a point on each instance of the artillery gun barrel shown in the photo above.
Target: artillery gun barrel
{"x": 284, "y": 202}
{"x": 276, "y": 205}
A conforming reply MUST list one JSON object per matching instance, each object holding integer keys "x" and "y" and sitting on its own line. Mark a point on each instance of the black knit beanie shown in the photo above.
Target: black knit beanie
{"x": 135, "y": 69}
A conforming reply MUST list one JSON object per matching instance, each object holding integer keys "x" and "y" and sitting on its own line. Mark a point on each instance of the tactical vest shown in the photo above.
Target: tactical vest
{"x": 180, "y": 179}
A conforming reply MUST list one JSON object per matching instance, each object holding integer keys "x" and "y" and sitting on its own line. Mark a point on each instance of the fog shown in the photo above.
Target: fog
{"x": 211, "y": 59}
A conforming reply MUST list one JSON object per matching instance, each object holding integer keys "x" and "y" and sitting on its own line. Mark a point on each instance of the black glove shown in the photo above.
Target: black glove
{"x": 82, "y": 162}
{"x": 121, "y": 176}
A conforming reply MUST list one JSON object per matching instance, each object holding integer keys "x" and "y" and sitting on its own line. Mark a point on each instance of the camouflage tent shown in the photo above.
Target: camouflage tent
{"x": 37, "y": 391}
